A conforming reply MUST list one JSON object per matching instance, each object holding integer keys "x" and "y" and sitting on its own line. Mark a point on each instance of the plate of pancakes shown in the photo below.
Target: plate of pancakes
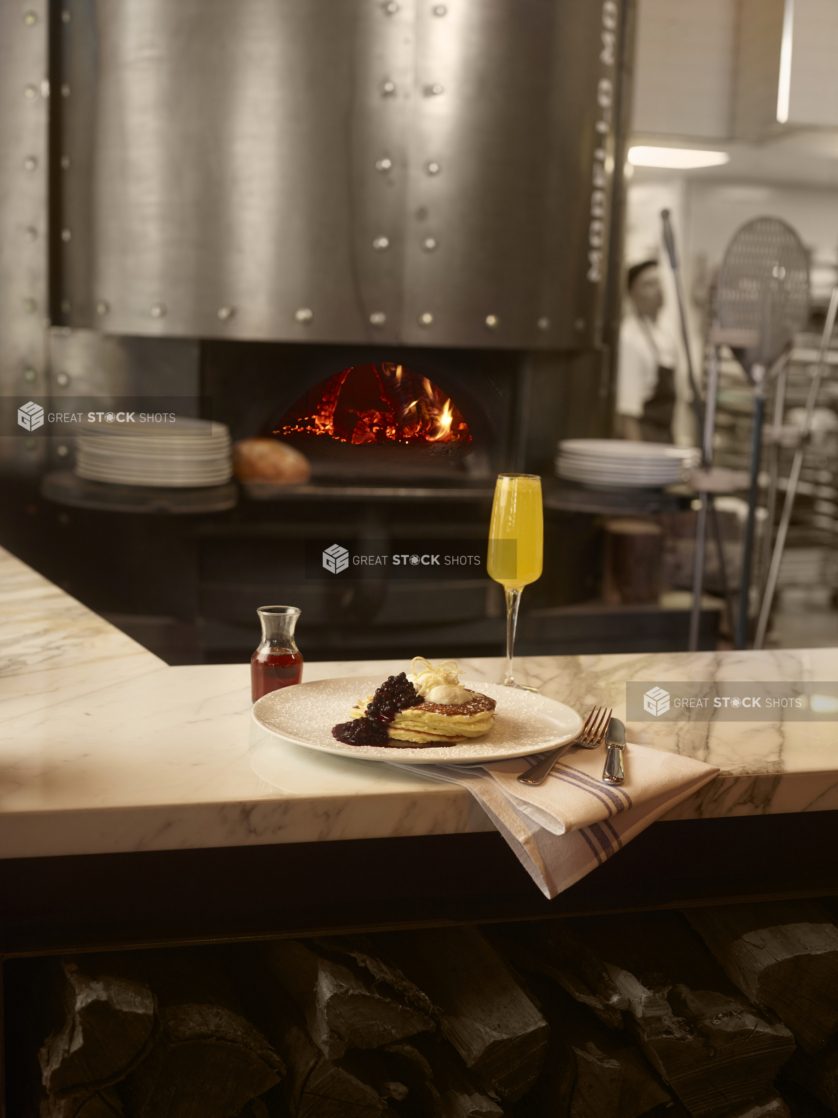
{"x": 493, "y": 723}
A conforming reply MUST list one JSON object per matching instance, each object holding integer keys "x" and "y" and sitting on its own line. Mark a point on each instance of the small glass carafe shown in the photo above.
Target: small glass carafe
{"x": 277, "y": 662}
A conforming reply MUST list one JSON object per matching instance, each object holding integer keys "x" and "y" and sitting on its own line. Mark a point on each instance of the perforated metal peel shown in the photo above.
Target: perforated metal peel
{"x": 763, "y": 286}
{"x": 763, "y": 291}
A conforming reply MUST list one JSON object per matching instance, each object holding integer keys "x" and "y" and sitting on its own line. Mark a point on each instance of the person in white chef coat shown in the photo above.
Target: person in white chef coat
{"x": 647, "y": 358}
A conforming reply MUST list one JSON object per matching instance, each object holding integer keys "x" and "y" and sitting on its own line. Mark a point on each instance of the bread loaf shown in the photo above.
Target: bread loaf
{"x": 270, "y": 460}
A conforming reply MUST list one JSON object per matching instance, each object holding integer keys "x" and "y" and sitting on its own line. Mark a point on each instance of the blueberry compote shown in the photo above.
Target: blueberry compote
{"x": 395, "y": 693}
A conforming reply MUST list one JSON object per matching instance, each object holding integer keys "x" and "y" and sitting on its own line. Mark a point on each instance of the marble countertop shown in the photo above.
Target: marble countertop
{"x": 104, "y": 748}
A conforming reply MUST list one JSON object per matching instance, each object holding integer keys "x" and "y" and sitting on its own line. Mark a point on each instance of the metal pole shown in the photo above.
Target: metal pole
{"x": 773, "y": 474}
{"x": 722, "y": 563}
{"x": 707, "y": 448}
{"x": 760, "y": 378}
{"x": 794, "y": 476}
{"x": 698, "y": 572}
{"x": 701, "y": 525}
{"x": 669, "y": 242}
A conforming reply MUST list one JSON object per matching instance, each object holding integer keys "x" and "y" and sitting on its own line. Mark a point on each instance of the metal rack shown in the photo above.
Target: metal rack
{"x": 811, "y": 556}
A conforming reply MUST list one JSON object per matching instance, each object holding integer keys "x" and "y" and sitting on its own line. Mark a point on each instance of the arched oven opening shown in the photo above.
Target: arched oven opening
{"x": 374, "y": 417}
{"x": 404, "y": 415}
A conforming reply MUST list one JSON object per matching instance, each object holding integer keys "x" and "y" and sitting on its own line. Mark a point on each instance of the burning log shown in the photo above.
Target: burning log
{"x": 352, "y": 1002}
{"x": 376, "y": 404}
{"x": 110, "y": 1015}
{"x": 783, "y": 955}
{"x": 707, "y": 1042}
{"x": 208, "y": 1060}
{"x": 483, "y": 1012}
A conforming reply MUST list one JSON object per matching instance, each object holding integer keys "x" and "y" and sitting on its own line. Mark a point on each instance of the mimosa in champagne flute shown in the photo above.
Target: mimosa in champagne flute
{"x": 516, "y": 547}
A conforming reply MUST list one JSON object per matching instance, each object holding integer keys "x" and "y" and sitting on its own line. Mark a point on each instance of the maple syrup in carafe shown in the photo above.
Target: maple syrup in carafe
{"x": 272, "y": 670}
{"x": 277, "y": 662}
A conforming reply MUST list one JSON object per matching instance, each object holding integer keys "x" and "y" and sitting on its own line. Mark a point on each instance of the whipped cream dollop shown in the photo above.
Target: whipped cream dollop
{"x": 439, "y": 683}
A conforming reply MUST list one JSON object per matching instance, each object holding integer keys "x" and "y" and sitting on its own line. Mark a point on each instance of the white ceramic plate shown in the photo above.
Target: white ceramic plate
{"x": 182, "y": 425}
{"x": 662, "y": 465}
{"x": 644, "y": 452}
{"x": 169, "y": 449}
{"x": 165, "y": 466}
{"x": 165, "y": 470}
{"x": 524, "y": 722}
{"x": 163, "y": 457}
{"x": 670, "y": 462}
{"x": 612, "y": 472}
{"x": 616, "y": 479}
{"x": 112, "y": 477}
{"x": 623, "y": 448}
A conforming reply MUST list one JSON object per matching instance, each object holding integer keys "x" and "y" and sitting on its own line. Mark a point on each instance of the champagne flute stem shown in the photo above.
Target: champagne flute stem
{"x": 513, "y": 601}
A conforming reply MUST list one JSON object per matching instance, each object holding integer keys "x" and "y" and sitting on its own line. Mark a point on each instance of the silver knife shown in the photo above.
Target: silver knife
{"x": 615, "y": 743}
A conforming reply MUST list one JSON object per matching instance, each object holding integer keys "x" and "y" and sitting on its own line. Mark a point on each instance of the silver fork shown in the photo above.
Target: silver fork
{"x": 591, "y": 736}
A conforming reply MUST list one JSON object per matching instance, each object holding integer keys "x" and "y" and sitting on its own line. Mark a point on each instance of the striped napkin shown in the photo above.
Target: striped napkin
{"x": 573, "y": 822}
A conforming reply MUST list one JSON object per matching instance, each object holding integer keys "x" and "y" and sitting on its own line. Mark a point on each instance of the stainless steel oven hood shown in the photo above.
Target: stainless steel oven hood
{"x": 335, "y": 170}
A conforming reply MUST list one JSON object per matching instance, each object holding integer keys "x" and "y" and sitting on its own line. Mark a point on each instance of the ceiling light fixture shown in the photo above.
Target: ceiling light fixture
{"x": 677, "y": 159}
{"x": 784, "y": 82}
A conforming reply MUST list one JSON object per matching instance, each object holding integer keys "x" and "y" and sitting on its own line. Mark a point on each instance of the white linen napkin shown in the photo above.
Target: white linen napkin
{"x": 564, "y": 828}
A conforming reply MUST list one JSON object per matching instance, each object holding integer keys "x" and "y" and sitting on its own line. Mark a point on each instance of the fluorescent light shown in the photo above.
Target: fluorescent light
{"x": 784, "y": 83}
{"x": 681, "y": 159}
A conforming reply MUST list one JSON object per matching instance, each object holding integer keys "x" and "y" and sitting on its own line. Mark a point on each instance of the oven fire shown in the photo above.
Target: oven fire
{"x": 384, "y": 403}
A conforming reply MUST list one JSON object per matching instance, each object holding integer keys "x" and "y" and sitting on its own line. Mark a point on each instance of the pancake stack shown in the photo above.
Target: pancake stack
{"x": 430, "y": 708}
{"x": 437, "y": 723}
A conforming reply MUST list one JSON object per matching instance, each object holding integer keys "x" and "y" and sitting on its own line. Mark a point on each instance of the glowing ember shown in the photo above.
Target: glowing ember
{"x": 376, "y": 404}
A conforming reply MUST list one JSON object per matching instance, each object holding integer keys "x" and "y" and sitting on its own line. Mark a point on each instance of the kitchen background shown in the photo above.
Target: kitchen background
{"x": 230, "y": 205}
{"x": 708, "y": 77}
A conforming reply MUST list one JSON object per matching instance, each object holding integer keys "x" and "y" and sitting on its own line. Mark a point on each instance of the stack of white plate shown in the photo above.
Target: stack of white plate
{"x": 194, "y": 452}
{"x": 610, "y": 462}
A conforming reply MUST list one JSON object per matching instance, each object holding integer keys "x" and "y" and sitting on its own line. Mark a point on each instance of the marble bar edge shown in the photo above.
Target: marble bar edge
{"x": 105, "y": 749}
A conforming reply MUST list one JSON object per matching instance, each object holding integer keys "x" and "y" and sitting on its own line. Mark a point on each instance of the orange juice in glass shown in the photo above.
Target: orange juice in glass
{"x": 516, "y": 547}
